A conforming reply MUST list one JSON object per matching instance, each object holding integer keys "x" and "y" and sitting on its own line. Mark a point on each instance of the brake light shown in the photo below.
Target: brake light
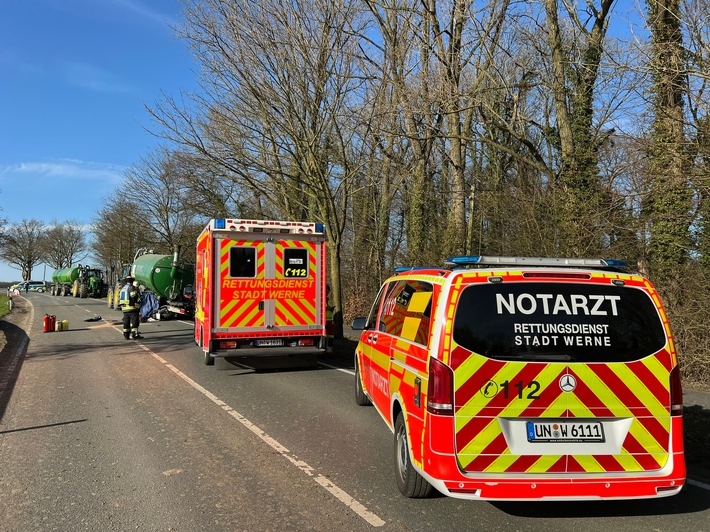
{"x": 676, "y": 393}
{"x": 440, "y": 392}
{"x": 556, "y": 275}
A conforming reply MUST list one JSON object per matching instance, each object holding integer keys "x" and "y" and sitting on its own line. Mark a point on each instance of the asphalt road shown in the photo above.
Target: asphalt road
{"x": 97, "y": 432}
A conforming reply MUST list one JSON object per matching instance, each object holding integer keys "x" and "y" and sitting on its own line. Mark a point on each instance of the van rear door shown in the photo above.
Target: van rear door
{"x": 555, "y": 376}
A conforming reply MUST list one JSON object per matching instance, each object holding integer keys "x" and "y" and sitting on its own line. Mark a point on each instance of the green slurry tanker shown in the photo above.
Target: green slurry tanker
{"x": 171, "y": 280}
{"x": 79, "y": 281}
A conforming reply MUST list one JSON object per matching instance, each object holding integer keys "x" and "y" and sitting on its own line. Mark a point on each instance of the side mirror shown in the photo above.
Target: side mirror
{"x": 359, "y": 324}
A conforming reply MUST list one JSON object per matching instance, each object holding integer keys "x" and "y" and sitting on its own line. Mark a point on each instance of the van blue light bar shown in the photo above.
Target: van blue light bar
{"x": 482, "y": 260}
{"x": 402, "y": 269}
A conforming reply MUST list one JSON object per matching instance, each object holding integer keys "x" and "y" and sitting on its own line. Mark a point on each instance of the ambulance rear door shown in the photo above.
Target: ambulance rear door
{"x": 268, "y": 284}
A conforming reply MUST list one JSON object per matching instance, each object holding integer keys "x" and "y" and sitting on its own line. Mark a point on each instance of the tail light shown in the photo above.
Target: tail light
{"x": 440, "y": 392}
{"x": 676, "y": 393}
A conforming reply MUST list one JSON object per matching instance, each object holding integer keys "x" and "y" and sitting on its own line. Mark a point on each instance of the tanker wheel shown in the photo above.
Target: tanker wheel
{"x": 83, "y": 291}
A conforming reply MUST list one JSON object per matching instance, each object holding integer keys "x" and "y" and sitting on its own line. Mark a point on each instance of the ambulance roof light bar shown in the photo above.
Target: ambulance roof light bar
{"x": 268, "y": 226}
{"x": 482, "y": 260}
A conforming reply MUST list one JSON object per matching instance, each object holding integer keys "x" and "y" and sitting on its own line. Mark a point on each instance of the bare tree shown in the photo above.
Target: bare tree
{"x": 21, "y": 246}
{"x": 279, "y": 79}
{"x": 155, "y": 188}
{"x": 64, "y": 244}
{"x": 118, "y": 232}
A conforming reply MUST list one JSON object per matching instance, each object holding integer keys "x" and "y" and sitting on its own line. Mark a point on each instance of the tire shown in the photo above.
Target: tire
{"x": 83, "y": 291}
{"x": 75, "y": 289}
{"x": 361, "y": 398}
{"x": 209, "y": 359}
{"x": 410, "y": 483}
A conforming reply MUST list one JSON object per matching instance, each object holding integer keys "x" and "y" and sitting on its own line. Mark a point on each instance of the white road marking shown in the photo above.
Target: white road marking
{"x": 321, "y": 480}
{"x": 348, "y": 371}
{"x": 698, "y": 484}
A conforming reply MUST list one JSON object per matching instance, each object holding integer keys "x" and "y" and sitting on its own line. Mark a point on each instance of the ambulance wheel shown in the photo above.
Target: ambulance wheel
{"x": 361, "y": 398}
{"x": 209, "y": 359}
{"x": 410, "y": 483}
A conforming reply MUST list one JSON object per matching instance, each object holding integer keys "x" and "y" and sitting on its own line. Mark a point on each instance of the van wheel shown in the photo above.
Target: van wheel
{"x": 361, "y": 398}
{"x": 410, "y": 483}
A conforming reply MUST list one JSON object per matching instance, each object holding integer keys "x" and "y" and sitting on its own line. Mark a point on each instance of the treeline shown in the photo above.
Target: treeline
{"x": 420, "y": 129}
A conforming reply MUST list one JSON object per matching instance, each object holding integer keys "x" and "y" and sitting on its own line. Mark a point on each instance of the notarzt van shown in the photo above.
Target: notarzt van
{"x": 525, "y": 379}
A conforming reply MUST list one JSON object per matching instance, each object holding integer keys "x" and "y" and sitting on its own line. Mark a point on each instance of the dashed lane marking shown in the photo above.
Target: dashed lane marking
{"x": 340, "y": 494}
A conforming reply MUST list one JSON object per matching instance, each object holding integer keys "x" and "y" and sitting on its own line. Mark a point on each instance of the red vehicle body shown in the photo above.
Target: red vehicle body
{"x": 525, "y": 379}
{"x": 260, "y": 288}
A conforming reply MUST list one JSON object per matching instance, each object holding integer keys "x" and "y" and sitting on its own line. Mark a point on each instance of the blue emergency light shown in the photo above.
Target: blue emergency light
{"x": 551, "y": 262}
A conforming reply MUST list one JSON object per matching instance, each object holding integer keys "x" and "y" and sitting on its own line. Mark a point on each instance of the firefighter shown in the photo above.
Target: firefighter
{"x": 130, "y": 302}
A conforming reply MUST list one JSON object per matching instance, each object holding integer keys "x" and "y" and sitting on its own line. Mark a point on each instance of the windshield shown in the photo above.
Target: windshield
{"x": 558, "y": 322}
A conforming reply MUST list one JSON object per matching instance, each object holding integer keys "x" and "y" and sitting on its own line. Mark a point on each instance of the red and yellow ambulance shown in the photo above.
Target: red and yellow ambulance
{"x": 260, "y": 288}
{"x": 520, "y": 378}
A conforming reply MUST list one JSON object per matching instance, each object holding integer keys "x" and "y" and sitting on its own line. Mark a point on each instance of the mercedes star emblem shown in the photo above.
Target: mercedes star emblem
{"x": 568, "y": 383}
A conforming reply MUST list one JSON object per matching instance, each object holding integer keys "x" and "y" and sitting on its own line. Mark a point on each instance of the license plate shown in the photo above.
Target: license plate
{"x": 269, "y": 343}
{"x": 565, "y": 432}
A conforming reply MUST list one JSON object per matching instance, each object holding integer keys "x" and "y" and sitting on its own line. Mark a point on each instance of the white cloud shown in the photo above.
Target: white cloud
{"x": 87, "y": 76}
{"x": 145, "y": 11}
{"x": 64, "y": 168}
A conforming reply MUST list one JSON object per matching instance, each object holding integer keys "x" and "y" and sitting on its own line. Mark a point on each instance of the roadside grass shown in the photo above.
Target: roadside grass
{"x": 4, "y": 305}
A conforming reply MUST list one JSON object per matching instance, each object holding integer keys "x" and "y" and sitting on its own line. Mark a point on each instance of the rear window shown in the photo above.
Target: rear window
{"x": 558, "y": 322}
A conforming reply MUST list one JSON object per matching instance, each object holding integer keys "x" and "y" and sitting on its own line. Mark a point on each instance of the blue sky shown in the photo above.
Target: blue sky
{"x": 75, "y": 76}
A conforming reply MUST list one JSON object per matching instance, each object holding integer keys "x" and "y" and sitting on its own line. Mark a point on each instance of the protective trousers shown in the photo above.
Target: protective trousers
{"x": 130, "y": 324}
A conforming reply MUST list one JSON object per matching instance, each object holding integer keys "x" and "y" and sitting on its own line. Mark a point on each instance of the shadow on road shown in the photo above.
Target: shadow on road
{"x": 683, "y": 503}
{"x": 11, "y": 358}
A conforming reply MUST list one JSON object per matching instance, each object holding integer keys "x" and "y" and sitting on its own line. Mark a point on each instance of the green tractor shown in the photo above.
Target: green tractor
{"x": 79, "y": 281}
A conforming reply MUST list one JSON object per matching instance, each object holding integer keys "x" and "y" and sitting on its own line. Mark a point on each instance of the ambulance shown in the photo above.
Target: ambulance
{"x": 260, "y": 288}
{"x": 525, "y": 378}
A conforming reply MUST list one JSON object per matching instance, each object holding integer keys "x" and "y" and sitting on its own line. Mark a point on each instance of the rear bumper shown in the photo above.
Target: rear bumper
{"x": 442, "y": 471}
{"x": 562, "y": 489}
{"x": 268, "y": 351}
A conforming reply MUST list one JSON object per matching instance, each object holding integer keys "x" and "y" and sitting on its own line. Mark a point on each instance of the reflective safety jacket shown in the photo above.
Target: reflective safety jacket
{"x": 129, "y": 299}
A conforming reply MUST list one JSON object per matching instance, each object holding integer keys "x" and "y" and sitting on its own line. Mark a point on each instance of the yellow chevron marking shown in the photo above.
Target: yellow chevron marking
{"x": 466, "y": 370}
{"x": 589, "y": 464}
{"x": 641, "y": 391}
{"x": 649, "y": 443}
{"x": 628, "y": 462}
{"x": 482, "y": 439}
{"x": 658, "y": 369}
{"x": 544, "y": 463}
{"x": 502, "y": 463}
{"x": 602, "y": 391}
